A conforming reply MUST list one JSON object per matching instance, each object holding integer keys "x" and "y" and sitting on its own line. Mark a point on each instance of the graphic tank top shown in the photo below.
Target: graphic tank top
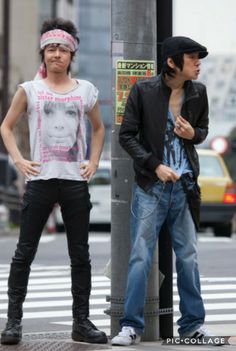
{"x": 57, "y": 126}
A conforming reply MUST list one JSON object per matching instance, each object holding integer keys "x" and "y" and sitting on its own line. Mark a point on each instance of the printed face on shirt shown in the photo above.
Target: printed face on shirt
{"x": 60, "y": 126}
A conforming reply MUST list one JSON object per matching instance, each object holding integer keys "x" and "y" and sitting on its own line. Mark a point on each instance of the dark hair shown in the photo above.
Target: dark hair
{"x": 178, "y": 61}
{"x": 59, "y": 23}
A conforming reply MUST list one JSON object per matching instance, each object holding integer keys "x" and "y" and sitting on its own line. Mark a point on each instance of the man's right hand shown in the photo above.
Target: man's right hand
{"x": 166, "y": 174}
{"x": 28, "y": 168}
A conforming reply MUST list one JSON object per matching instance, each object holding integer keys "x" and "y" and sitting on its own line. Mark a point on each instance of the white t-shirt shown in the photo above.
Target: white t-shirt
{"x": 57, "y": 127}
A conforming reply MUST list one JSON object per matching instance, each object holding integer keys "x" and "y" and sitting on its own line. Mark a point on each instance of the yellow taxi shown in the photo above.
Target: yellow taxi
{"x": 218, "y": 193}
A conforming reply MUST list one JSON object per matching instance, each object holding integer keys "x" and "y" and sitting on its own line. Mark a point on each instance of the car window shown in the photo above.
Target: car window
{"x": 210, "y": 166}
{"x": 101, "y": 177}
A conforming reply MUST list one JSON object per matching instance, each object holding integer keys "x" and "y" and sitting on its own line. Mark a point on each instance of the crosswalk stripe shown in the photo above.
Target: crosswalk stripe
{"x": 212, "y": 296}
{"x": 215, "y": 240}
{"x": 54, "y": 282}
{"x": 38, "y": 274}
{"x": 52, "y": 314}
{"x": 66, "y": 293}
{"x": 92, "y": 239}
{"x": 214, "y": 279}
{"x": 216, "y": 306}
{"x": 215, "y": 287}
{"x": 104, "y": 283}
{"x": 52, "y": 273}
{"x": 217, "y": 317}
{"x": 66, "y": 281}
{"x": 102, "y": 301}
{"x": 54, "y": 303}
{"x": 59, "y": 273}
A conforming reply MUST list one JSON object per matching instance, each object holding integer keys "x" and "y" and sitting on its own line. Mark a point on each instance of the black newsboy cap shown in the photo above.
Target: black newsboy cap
{"x": 182, "y": 45}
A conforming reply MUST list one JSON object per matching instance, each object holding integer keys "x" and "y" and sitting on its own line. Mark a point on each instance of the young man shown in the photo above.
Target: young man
{"x": 55, "y": 105}
{"x": 164, "y": 117}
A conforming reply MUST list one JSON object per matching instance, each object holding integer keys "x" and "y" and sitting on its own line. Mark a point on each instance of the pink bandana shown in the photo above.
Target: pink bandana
{"x": 58, "y": 36}
{"x": 55, "y": 36}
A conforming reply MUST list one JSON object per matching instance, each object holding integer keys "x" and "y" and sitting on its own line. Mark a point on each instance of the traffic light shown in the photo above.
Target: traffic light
{"x": 220, "y": 144}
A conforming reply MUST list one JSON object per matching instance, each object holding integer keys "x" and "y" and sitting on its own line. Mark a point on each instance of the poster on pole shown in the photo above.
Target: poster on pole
{"x": 127, "y": 73}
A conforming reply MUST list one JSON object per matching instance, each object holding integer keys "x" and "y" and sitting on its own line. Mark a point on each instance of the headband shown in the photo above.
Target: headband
{"x": 58, "y": 36}
{"x": 55, "y": 36}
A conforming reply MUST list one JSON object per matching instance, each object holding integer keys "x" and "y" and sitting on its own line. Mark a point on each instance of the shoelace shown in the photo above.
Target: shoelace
{"x": 13, "y": 324}
{"x": 127, "y": 332}
{"x": 90, "y": 324}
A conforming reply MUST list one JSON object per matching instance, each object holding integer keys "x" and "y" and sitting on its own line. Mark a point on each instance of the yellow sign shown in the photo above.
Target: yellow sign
{"x": 127, "y": 73}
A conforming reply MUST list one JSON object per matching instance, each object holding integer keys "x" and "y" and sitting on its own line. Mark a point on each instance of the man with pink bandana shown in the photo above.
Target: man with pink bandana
{"x": 56, "y": 107}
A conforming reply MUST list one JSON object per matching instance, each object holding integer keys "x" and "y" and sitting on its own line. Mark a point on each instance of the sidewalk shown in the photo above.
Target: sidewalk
{"x": 50, "y": 342}
{"x": 217, "y": 329}
{"x": 156, "y": 346}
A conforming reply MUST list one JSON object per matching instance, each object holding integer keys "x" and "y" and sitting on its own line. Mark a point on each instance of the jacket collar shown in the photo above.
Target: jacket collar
{"x": 189, "y": 88}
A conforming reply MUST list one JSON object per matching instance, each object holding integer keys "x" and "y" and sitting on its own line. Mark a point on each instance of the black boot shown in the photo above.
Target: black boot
{"x": 84, "y": 330}
{"x": 12, "y": 334}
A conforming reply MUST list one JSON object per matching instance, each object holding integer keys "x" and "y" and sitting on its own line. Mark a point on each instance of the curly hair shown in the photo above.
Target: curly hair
{"x": 59, "y": 23}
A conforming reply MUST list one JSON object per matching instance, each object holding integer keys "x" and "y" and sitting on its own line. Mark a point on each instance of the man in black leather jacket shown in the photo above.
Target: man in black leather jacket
{"x": 165, "y": 117}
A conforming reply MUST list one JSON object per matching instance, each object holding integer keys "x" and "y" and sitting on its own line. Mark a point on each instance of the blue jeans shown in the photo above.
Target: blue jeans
{"x": 149, "y": 211}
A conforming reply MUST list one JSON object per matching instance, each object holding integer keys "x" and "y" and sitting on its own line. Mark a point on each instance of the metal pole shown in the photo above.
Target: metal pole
{"x": 164, "y": 29}
{"x": 54, "y": 9}
{"x": 5, "y": 65}
{"x": 133, "y": 38}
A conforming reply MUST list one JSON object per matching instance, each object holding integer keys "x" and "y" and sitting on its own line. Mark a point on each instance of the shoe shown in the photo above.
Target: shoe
{"x": 204, "y": 335}
{"x": 126, "y": 337}
{"x": 84, "y": 330}
{"x": 199, "y": 333}
{"x": 12, "y": 334}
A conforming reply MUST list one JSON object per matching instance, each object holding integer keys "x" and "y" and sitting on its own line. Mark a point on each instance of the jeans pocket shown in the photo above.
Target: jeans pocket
{"x": 143, "y": 204}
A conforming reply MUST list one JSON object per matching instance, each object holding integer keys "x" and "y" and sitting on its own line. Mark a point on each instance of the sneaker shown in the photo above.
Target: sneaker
{"x": 199, "y": 333}
{"x": 203, "y": 334}
{"x": 126, "y": 337}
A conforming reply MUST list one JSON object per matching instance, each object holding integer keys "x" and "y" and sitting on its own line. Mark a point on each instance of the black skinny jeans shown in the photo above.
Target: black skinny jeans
{"x": 39, "y": 199}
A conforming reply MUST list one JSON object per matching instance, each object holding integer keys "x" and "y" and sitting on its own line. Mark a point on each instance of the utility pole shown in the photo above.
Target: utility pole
{"x": 54, "y": 8}
{"x": 133, "y": 38}
{"x": 164, "y": 30}
{"x": 5, "y": 65}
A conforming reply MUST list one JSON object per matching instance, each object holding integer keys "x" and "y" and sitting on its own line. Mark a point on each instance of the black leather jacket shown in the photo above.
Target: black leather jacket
{"x": 143, "y": 129}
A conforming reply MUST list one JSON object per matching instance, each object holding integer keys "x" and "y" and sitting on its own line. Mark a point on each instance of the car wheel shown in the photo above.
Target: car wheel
{"x": 223, "y": 230}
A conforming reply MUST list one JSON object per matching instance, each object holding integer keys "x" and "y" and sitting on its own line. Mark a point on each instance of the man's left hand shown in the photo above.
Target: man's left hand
{"x": 183, "y": 128}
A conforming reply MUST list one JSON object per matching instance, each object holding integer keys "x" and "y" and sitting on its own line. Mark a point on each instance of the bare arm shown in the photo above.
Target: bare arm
{"x": 98, "y": 134}
{"x": 18, "y": 106}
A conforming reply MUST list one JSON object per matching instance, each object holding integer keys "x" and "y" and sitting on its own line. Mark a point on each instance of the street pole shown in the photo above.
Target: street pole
{"x": 54, "y": 8}
{"x": 5, "y": 65}
{"x": 164, "y": 30}
{"x": 133, "y": 38}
